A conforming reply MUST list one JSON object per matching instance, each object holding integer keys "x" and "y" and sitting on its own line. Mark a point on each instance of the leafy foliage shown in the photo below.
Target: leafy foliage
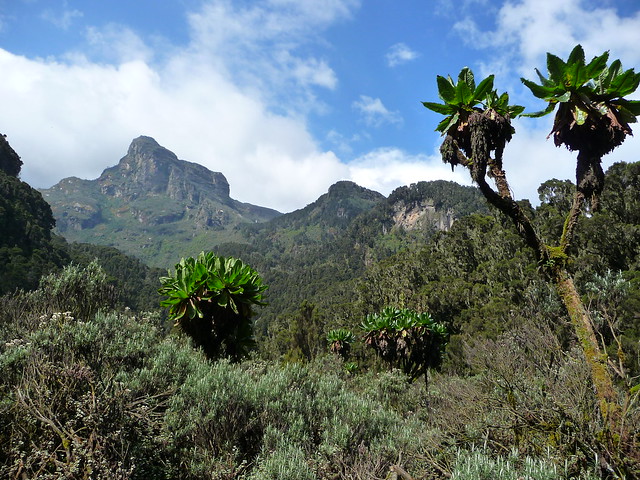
{"x": 478, "y": 122}
{"x": 340, "y": 340}
{"x": 10, "y": 162}
{"x": 211, "y": 299}
{"x": 463, "y": 97}
{"x": 593, "y": 116}
{"x": 27, "y": 249}
{"x": 583, "y": 90}
{"x": 413, "y": 340}
{"x": 113, "y": 398}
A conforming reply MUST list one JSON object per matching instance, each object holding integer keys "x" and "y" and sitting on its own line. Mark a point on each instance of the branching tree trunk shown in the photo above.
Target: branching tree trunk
{"x": 592, "y": 119}
{"x": 553, "y": 263}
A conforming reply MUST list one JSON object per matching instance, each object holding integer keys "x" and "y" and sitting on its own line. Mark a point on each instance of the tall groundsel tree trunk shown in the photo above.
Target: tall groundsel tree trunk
{"x": 592, "y": 119}
{"x": 553, "y": 262}
{"x": 597, "y": 361}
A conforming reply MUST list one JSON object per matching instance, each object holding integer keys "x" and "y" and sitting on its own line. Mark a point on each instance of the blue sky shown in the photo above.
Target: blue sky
{"x": 284, "y": 97}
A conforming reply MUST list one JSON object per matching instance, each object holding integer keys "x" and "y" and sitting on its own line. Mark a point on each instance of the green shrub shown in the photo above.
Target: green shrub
{"x": 63, "y": 411}
{"x": 339, "y": 341}
{"x": 286, "y": 463}
{"x": 255, "y": 413}
{"x": 479, "y": 465}
{"x": 79, "y": 291}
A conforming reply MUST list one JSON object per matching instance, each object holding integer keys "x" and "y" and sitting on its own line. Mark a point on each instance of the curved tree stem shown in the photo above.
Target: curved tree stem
{"x": 503, "y": 202}
{"x": 580, "y": 319}
{"x": 571, "y": 221}
{"x": 583, "y": 328}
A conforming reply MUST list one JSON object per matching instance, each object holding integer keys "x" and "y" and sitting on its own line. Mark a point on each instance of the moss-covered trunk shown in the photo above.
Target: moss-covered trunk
{"x": 553, "y": 259}
{"x": 583, "y": 328}
{"x": 470, "y": 144}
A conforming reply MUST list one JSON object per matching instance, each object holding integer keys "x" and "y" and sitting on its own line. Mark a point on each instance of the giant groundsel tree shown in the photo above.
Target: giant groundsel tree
{"x": 407, "y": 339}
{"x": 211, "y": 299}
{"x": 592, "y": 118}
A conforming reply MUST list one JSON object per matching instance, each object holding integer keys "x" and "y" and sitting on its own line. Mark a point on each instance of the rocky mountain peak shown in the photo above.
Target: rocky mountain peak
{"x": 148, "y": 167}
{"x": 143, "y": 145}
{"x": 152, "y": 205}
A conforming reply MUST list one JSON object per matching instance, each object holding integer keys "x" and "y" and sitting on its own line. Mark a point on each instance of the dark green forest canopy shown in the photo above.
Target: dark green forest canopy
{"x": 481, "y": 279}
{"x": 10, "y": 162}
{"x": 26, "y": 247}
{"x": 315, "y": 254}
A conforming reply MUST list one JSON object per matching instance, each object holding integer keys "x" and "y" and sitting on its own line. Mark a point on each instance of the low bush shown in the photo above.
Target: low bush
{"x": 478, "y": 465}
{"x": 114, "y": 398}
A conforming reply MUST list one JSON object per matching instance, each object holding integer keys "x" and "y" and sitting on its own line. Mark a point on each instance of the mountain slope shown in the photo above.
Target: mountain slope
{"x": 314, "y": 254}
{"x": 151, "y": 205}
{"x": 27, "y": 249}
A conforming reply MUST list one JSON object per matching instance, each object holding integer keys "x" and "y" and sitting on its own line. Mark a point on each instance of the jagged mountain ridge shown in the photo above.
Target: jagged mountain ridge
{"x": 151, "y": 205}
{"x": 158, "y": 208}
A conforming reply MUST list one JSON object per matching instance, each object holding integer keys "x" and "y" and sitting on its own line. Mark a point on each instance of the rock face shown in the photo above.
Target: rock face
{"x": 149, "y": 169}
{"x": 422, "y": 214}
{"x": 433, "y": 205}
{"x": 149, "y": 202}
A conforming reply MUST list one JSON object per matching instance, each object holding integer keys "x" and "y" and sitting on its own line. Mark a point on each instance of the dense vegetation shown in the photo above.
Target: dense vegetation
{"x": 88, "y": 392}
{"x": 312, "y": 256}
{"x": 592, "y": 119}
{"x": 95, "y": 384}
{"x": 26, "y": 247}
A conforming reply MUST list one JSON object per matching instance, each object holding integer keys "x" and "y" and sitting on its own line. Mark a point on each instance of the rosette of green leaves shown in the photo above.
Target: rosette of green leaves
{"x": 413, "y": 339}
{"x": 587, "y": 94}
{"x": 340, "y": 340}
{"x": 341, "y": 335}
{"x": 463, "y": 97}
{"x": 383, "y": 320}
{"x": 210, "y": 298}
{"x": 226, "y": 282}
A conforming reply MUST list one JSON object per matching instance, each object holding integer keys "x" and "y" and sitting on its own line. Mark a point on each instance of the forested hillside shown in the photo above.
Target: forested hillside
{"x": 314, "y": 255}
{"x": 27, "y": 248}
{"x": 92, "y": 389}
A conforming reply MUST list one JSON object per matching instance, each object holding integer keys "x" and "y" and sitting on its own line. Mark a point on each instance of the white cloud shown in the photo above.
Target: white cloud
{"x": 117, "y": 44}
{"x": 374, "y": 113}
{"x": 64, "y": 19}
{"x": 399, "y": 54}
{"x": 236, "y": 99}
{"x": 309, "y": 72}
{"x": 529, "y": 160}
{"x": 75, "y": 115}
{"x": 259, "y": 45}
{"x": 527, "y": 29}
{"x": 386, "y": 169}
